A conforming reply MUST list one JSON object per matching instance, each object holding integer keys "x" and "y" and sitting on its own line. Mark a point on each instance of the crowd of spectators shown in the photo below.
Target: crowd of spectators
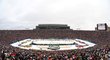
{"x": 101, "y": 38}
{"x": 11, "y": 53}
{"x": 98, "y": 37}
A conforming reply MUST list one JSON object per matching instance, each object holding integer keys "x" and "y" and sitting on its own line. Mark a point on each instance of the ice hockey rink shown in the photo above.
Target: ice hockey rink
{"x": 53, "y": 44}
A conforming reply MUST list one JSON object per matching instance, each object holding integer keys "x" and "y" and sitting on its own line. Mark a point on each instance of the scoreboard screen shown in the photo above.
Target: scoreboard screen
{"x": 101, "y": 26}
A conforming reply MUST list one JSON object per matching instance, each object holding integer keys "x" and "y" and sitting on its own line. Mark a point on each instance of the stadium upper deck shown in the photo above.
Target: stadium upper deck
{"x": 52, "y": 26}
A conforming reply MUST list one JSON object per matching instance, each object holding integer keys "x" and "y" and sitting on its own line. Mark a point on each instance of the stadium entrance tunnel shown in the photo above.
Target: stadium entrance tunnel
{"x": 53, "y": 44}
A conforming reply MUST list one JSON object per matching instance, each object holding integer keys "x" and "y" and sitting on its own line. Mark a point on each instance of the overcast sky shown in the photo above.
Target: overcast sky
{"x": 83, "y": 14}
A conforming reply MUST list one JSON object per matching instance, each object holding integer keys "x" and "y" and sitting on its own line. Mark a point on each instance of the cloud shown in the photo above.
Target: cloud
{"x": 84, "y": 14}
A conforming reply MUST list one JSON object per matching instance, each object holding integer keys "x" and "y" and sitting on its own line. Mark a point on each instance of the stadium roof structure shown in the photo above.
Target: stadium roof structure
{"x": 64, "y": 25}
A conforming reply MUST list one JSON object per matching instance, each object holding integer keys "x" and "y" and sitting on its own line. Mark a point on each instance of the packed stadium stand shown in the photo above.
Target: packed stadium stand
{"x": 100, "y": 51}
